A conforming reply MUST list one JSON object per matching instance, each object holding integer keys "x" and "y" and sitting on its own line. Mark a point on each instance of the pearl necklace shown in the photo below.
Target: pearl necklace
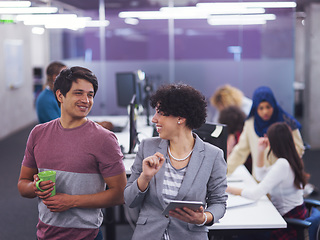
{"x": 179, "y": 159}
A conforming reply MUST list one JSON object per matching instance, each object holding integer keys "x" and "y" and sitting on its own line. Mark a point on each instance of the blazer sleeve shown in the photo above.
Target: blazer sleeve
{"x": 132, "y": 195}
{"x": 216, "y": 188}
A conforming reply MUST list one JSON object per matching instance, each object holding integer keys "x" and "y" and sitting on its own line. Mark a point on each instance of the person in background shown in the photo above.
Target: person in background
{"x": 46, "y": 104}
{"x": 86, "y": 158}
{"x": 234, "y": 118}
{"x": 264, "y": 112}
{"x": 177, "y": 165}
{"x": 228, "y": 95}
{"x": 284, "y": 180}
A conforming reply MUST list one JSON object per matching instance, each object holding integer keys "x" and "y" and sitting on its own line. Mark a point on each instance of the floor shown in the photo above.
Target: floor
{"x": 19, "y": 215}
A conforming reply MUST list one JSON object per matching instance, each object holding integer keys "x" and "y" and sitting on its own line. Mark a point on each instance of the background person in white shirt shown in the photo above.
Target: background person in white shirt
{"x": 283, "y": 181}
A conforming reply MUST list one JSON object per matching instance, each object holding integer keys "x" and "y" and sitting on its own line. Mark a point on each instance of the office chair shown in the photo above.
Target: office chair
{"x": 310, "y": 227}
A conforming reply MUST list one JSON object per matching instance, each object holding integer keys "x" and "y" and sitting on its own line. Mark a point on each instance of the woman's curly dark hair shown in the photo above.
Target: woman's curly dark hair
{"x": 181, "y": 100}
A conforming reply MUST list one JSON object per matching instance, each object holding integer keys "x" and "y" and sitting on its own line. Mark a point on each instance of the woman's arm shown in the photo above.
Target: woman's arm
{"x": 142, "y": 171}
{"x": 298, "y": 142}
{"x": 241, "y": 151}
{"x": 277, "y": 174}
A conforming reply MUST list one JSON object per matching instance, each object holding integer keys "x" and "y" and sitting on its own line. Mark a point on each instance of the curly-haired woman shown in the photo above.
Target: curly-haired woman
{"x": 177, "y": 165}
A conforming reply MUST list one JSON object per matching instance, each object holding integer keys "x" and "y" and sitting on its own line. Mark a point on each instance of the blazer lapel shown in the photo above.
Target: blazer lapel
{"x": 194, "y": 165}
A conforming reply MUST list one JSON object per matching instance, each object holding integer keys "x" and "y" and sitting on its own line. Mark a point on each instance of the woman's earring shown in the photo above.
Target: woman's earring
{"x": 178, "y": 122}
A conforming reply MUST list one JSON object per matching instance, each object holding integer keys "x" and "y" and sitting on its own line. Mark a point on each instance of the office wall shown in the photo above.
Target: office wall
{"x": 16, "y": 64}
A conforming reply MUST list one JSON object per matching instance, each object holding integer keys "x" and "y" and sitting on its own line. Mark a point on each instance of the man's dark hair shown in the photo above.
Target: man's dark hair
{"x": 181, "y": 100}
{"x": 69, "y": 75}
{"x": 54, "y": 68}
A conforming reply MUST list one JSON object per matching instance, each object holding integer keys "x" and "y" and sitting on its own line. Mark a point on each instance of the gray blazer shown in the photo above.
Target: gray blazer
{"x": 205, "y": 181}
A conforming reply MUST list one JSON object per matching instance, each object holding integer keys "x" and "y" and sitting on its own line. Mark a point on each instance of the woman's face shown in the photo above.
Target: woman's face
{"x": 265, "y": 111}
{"x": 166, "y": 125}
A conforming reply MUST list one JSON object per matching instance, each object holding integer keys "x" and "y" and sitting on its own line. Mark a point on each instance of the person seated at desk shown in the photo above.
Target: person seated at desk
{"x": 264, "y": 112}
{"x": 177, "y": 165}
{"x": 234, "y": 118}
{"x": 284, "y": 180}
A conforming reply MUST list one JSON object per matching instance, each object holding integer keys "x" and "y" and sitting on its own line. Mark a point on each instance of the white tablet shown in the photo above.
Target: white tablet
{"x": 194, "y": 205}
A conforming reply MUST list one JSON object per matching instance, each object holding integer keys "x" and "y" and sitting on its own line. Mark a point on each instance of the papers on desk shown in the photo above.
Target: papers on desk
{"x": 237, "y": 201}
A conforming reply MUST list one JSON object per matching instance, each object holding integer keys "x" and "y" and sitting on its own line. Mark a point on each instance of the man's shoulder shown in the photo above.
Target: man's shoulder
{"x": 43, "y": 128}
{"x": 45, "y": 95}
{"x": 98, "y": 130}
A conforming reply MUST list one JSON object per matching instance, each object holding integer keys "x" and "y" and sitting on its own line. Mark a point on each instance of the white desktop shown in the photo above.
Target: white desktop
{"x": 250, "y": 215}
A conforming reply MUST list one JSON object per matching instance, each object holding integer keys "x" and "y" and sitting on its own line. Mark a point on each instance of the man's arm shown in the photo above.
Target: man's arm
{"x": 25, "y": 182}
{"x": 108, "y": 198}
{"x": 27, "y": 187}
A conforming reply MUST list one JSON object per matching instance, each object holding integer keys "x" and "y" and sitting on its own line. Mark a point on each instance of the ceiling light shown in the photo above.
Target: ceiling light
{"x": 208, "y": 11}
{"x": 187, "y": 12}
{"x": 216, "y": 22}
{"x": 42, "y": 19}
{"x": 241, "y": 19}
{"x": 249, "y": 5}
{"x": 97, "y": 23}
{"x": 12, "y": 4}
{"x": 131, "y": 21}
{"x": 70, "y": 21}
{"x": 38, "y": 30}
{"x": 28, "y": 10}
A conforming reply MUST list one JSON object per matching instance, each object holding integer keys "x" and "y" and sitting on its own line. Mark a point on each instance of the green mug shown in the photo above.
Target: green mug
{"x": 47, "y": 176}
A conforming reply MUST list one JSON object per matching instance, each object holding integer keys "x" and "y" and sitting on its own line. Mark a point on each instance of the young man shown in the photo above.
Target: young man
{"x": 85, "y": 156}
{"x": 46, "y": 104}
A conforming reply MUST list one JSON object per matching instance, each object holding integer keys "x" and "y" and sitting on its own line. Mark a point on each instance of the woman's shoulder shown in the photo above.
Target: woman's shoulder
{"x": 153, "y": 141}
{"x": 209, "y": 149}
{"x": 248, "y": 125}
{"x": 282, "y": 163}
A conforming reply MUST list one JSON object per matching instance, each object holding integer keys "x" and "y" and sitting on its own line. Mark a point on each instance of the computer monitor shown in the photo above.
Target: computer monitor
{"x": 126, "y": 87}
{"x": 214, "y": 133}
{"x": 133, "y": 135}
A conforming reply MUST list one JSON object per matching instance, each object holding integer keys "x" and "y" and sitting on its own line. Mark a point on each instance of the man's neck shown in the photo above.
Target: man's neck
{"x": 72, "y": 123}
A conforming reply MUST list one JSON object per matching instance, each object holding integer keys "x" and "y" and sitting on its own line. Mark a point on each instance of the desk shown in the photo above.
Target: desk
{"x": 259, "y": 215}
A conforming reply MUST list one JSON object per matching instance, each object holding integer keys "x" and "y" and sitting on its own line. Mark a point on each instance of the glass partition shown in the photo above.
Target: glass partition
{"x": 205, "y": 51}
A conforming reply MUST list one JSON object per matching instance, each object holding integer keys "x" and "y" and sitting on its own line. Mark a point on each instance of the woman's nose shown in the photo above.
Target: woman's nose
{"x": 154, "y": 118}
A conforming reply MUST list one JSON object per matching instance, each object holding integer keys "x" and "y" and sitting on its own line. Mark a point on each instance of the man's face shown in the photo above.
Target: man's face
{"x": 78, "y": 101}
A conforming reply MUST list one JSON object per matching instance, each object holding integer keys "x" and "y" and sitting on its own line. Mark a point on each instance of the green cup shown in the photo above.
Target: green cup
{"x": 47, "y": 176}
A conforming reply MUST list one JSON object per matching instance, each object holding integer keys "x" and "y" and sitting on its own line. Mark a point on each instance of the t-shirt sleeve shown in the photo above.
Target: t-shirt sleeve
{"x": 110, "y": 157}
{"x": 28, "y": 158}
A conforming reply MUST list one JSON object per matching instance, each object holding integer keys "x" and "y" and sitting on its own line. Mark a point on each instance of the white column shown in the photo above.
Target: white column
{"x": 311, "y": 123}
